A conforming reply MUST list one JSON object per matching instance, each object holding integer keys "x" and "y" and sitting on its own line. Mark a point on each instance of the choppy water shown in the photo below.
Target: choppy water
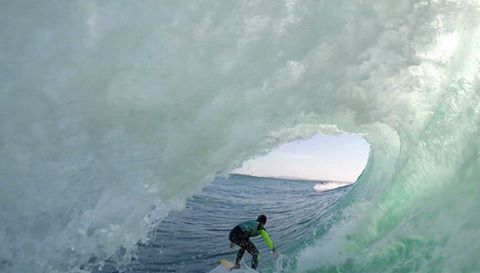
{"x": 194, "y": 239}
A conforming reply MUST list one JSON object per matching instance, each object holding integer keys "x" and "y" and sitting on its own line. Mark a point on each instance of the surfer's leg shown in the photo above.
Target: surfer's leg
{"x": 239, "y": 255}
{"x": 250, "y": 247}
{"x": 238, "y": 237}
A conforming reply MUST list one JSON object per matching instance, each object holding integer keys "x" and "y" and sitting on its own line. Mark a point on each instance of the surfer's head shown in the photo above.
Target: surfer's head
{"x": 262, "y": 219}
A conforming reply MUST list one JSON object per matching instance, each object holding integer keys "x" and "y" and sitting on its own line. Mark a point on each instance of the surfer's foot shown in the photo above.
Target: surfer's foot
{"x": 237, "y": 266}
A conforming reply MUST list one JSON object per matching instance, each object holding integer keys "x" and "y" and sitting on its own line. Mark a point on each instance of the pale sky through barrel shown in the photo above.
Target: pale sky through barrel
{"x": 333, "y": 157}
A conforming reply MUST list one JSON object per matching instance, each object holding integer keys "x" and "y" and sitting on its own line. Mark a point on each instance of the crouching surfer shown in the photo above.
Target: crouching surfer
{"x": 240, "y": 235}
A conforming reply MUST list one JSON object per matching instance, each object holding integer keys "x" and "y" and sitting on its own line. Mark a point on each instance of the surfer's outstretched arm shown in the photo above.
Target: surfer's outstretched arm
{"x": 267, "y": 240}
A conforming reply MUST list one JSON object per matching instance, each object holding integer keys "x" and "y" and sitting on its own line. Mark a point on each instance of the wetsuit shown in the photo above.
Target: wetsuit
{"x": 240, "y": 235}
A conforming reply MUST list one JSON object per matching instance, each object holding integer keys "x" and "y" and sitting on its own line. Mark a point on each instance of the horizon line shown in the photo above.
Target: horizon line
{"x": 292, "y": 178}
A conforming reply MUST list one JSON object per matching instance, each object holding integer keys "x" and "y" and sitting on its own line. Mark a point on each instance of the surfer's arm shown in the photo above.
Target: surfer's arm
{"x": 267, "y": 240}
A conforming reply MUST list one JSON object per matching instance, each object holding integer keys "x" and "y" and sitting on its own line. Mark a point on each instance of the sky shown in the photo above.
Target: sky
{"x": 333, "y": 157}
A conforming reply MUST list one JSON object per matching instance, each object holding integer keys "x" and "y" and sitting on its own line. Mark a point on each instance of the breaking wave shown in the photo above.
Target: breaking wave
{"x": 114, "y": 112}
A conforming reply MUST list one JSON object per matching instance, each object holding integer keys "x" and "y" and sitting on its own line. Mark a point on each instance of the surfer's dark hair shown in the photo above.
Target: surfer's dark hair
{"x": 262, "y": 219}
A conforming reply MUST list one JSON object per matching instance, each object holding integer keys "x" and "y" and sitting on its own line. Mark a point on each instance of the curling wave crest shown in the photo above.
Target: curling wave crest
{"x": 114, "y": 112}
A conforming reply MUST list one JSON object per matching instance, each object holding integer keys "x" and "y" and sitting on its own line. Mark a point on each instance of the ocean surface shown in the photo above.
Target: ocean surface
{"x": 114, "y": 113}
{"x": 194, "y": 239}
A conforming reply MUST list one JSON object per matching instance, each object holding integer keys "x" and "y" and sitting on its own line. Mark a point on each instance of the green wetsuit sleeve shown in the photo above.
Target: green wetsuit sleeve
{"x": 266, "y": 239}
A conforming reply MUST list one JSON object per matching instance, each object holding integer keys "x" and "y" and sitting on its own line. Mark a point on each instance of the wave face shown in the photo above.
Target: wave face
{"x": 114, "y": 112}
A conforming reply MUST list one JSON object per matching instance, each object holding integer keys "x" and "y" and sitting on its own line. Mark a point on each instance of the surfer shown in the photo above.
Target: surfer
{"x": 240, "y": 235}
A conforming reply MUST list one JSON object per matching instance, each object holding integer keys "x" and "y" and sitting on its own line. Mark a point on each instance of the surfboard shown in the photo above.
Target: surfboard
{"x": 224, "y": 267}
{"x": 226, "y": 264}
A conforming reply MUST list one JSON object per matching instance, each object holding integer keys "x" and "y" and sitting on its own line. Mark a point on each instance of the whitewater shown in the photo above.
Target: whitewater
{"x": 113, "y": 113}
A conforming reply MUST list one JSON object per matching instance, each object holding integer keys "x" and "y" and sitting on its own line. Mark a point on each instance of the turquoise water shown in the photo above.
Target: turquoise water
{"x": 113, "y": 113}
